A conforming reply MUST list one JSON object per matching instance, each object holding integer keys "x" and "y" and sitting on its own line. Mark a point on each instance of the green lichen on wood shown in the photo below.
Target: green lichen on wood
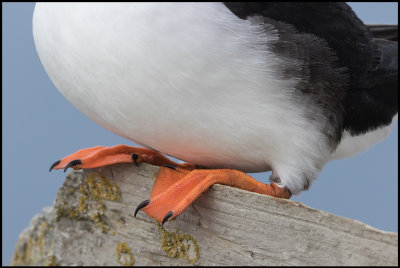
{"x": 94, "y": 189}
{"x": 124, "y": 254}
{"x": 178, "y": 245}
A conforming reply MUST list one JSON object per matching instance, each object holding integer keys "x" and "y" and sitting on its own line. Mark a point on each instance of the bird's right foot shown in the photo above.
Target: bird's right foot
{"x": 99, "y": 156}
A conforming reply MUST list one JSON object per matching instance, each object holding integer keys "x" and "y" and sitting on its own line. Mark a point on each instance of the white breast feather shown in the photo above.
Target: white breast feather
{"x": 190, "y": 80}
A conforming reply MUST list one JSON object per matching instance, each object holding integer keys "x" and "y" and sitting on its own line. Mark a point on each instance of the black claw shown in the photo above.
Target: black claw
{"x": 72, "y": 163}
{"x": 134, "y": 158}
{"x": 169, "y": 166}
{"x": 141, "y": 205}
{"x": 54, "y": 164}
{"x": 169, "y": 214}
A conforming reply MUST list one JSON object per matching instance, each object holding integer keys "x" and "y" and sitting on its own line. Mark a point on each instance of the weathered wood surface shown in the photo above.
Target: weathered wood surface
{"x": 92, "y": 223}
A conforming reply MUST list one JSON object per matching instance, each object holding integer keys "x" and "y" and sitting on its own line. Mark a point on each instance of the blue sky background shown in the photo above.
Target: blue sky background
{"x": 40, "y": 126}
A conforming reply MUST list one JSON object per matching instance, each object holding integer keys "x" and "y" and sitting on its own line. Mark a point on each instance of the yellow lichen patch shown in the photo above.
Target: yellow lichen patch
{"x": 18, "y": 260}
{"x": 31, "y": 249}
{"x": 82, "y": 203}
{"x": 179, "y": 245}
{"x": 40, "y": 239}
{"x": 23, "y": 255}
{"x": 51, "y": 261}
{"x": 124, "y": 255}
{"x": 99, "y": 222}
{"x": 95, "y": 188}
{"x": 98, "y": 187}
{"x": 64, "y": 210}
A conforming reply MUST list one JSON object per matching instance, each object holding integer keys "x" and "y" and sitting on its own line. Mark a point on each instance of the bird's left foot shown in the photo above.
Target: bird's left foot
{"x": 175, "y": 189}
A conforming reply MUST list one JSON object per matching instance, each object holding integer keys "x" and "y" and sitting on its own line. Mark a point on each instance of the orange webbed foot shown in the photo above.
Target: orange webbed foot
{"x": 99, "y": 156}
{"x": 175, "y": 189}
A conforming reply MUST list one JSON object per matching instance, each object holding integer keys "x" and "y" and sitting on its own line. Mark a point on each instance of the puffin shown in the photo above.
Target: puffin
{"x": 228, "y": 88}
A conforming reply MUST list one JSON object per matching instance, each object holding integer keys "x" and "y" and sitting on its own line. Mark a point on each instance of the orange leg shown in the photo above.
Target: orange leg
{"x": 175, "y": 189}
{"x": 102, "y": 156}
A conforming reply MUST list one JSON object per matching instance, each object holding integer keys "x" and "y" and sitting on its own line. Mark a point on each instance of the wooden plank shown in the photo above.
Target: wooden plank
{"x": 92, "y": 223}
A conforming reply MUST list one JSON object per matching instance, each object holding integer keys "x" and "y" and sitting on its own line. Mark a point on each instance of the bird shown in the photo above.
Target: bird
{"x": 227, "y": 87}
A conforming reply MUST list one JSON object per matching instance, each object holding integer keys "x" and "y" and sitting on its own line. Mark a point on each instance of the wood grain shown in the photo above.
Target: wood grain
{"x": 90, "y": 224}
